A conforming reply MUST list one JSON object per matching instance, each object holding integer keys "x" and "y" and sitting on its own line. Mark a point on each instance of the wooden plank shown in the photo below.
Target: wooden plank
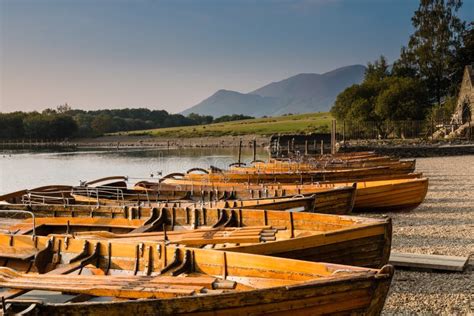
{"x": 11, "y": 252}
{"x": 430, "y": 262}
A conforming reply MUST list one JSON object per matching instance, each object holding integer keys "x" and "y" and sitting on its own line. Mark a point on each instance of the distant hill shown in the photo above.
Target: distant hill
{"x": 303, "y": 93}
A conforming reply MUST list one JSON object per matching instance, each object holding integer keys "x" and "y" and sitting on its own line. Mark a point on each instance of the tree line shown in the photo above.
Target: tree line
{"x": 423, "y": 83}
{"x": 64, "y": 122}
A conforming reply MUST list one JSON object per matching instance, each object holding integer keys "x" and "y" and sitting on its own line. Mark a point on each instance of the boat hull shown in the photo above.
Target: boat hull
{"x": 338, "y": 239}
{"x": 364, "y": 295}
{"x": 397, "y": 196}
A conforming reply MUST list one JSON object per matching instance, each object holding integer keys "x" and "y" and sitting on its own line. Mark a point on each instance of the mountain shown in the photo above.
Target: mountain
{"x": 231, "y": 102}
{"x": 306, "y": 92}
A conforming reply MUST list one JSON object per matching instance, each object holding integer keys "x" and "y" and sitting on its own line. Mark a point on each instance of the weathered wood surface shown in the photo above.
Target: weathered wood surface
{"x": 428, "y": 262}
{"x": 351, "y": 240}
{"x": 212, "y": 282}
{"x": 376, "y": 195}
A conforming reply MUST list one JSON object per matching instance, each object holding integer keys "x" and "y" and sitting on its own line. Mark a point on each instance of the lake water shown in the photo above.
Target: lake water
{"x": 27, "y": 170}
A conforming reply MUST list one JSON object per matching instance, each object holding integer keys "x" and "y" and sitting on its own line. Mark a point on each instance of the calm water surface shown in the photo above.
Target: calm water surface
{"x": 27, "y": 170}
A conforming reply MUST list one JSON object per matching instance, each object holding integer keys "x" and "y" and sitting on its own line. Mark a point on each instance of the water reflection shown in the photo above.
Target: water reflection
{"x": 23, "y": 169}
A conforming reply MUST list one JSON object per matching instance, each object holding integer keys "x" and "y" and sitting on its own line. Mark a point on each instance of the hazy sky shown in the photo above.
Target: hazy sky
{"x": 173, "y": 54}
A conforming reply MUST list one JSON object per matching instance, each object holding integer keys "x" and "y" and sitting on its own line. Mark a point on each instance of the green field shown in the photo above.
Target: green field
{"x": 300, "y": 123}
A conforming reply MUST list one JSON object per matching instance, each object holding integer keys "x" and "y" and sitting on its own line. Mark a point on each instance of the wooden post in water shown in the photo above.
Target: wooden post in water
{"x": 254, "y": 149}
{"x": 278, "y": 146}
{"x": 289, "y": 148}
{"x": 240, "y": 150}
{"x": 333, "y": 137}
{"x": 322, "y": 147}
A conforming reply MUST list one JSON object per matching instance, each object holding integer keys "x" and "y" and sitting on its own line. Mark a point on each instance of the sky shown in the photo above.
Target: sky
{"x": 172, "y": 54}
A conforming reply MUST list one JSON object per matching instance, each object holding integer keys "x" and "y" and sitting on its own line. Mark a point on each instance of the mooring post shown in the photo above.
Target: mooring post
{"x": 322, "y": 147}
{"x": 333, "y": 137}
{"x": 240, "y": 150}
{"x": 289, "y": 148}
{"x": 306, "y": 147}
{"x": 254, "y": 149}
{"x": 278, "y": 146}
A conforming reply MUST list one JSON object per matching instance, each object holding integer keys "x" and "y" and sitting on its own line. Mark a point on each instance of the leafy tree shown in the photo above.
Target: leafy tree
{"x": 233, "y": 117}
{"x": 358, "y": 101}
{"x": 433, "y": 46}
{"x": 84, "y": 123}
{"x": 37, "y": 126}
{"x": 12, "y": 125}
{"x": 64, "y": 108}
{"x": 378, "y": 70}
{"x": 103, "y": 123}
{"x": 200, "y": 119}
{"x": 357, "y": 104}
{"x": 401, "y": 98}
{"x": 49, "y": 126}
{"x": 62, "y": 126}
{"x": 464, "y": 56}
{"x": 382, "y": 97}
{"x": 49, "y": 111}
{"x": 439, "y": 113}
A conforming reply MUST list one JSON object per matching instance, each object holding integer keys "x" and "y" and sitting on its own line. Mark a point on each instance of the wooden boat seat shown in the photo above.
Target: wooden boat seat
{"x": 26, "y": 226}
{"x": 113, "y": 285}
{"x": 8, "y": 252}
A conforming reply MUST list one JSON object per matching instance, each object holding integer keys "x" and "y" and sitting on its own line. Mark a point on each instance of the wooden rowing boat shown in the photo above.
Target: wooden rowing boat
{"x": 379, "y": 195}
{"x": 407, "y": 166}
{"x": 382, "y": 195}
{"x": 49, "y": 194}
{"x": 339, "y": 156}
{"x": 146, "y": 278}
{"x": 226, "y": 198}
{"x": 325, "y": 199}
{"x": 314, "y": 237}
{"x": 358, "y": 174}
{"x": 390, "y": 195}
{"x": 222, "y": 198}
{"x": 336, "y": 200}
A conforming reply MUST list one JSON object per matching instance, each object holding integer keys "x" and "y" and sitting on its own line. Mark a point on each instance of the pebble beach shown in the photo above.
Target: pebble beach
{"x": 442, "y": 225}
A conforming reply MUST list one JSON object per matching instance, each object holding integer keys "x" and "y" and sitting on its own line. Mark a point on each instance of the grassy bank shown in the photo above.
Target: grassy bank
{"x": 301, "y": 123}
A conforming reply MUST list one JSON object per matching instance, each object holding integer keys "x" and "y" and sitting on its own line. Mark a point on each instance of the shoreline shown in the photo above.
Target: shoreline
{"x": 410, "y": 148}
{"x": 175, "y": 142}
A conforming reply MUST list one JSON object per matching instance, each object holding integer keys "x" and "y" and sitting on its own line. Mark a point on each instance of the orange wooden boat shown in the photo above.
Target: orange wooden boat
{"x": 314, "y": 237}
{"x": 333, "y": 199}
{"x": 407, "y": 166}
{"x": 376, "y": 195}
{"x": 381, "y": 195}
{"x": 110, "y": 277}
{"x": 49, "y": 194}
{"x": 379, "y": 173}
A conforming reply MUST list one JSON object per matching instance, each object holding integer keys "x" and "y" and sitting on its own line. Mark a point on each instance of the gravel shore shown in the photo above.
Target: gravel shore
{"x": 443, "y": 225}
